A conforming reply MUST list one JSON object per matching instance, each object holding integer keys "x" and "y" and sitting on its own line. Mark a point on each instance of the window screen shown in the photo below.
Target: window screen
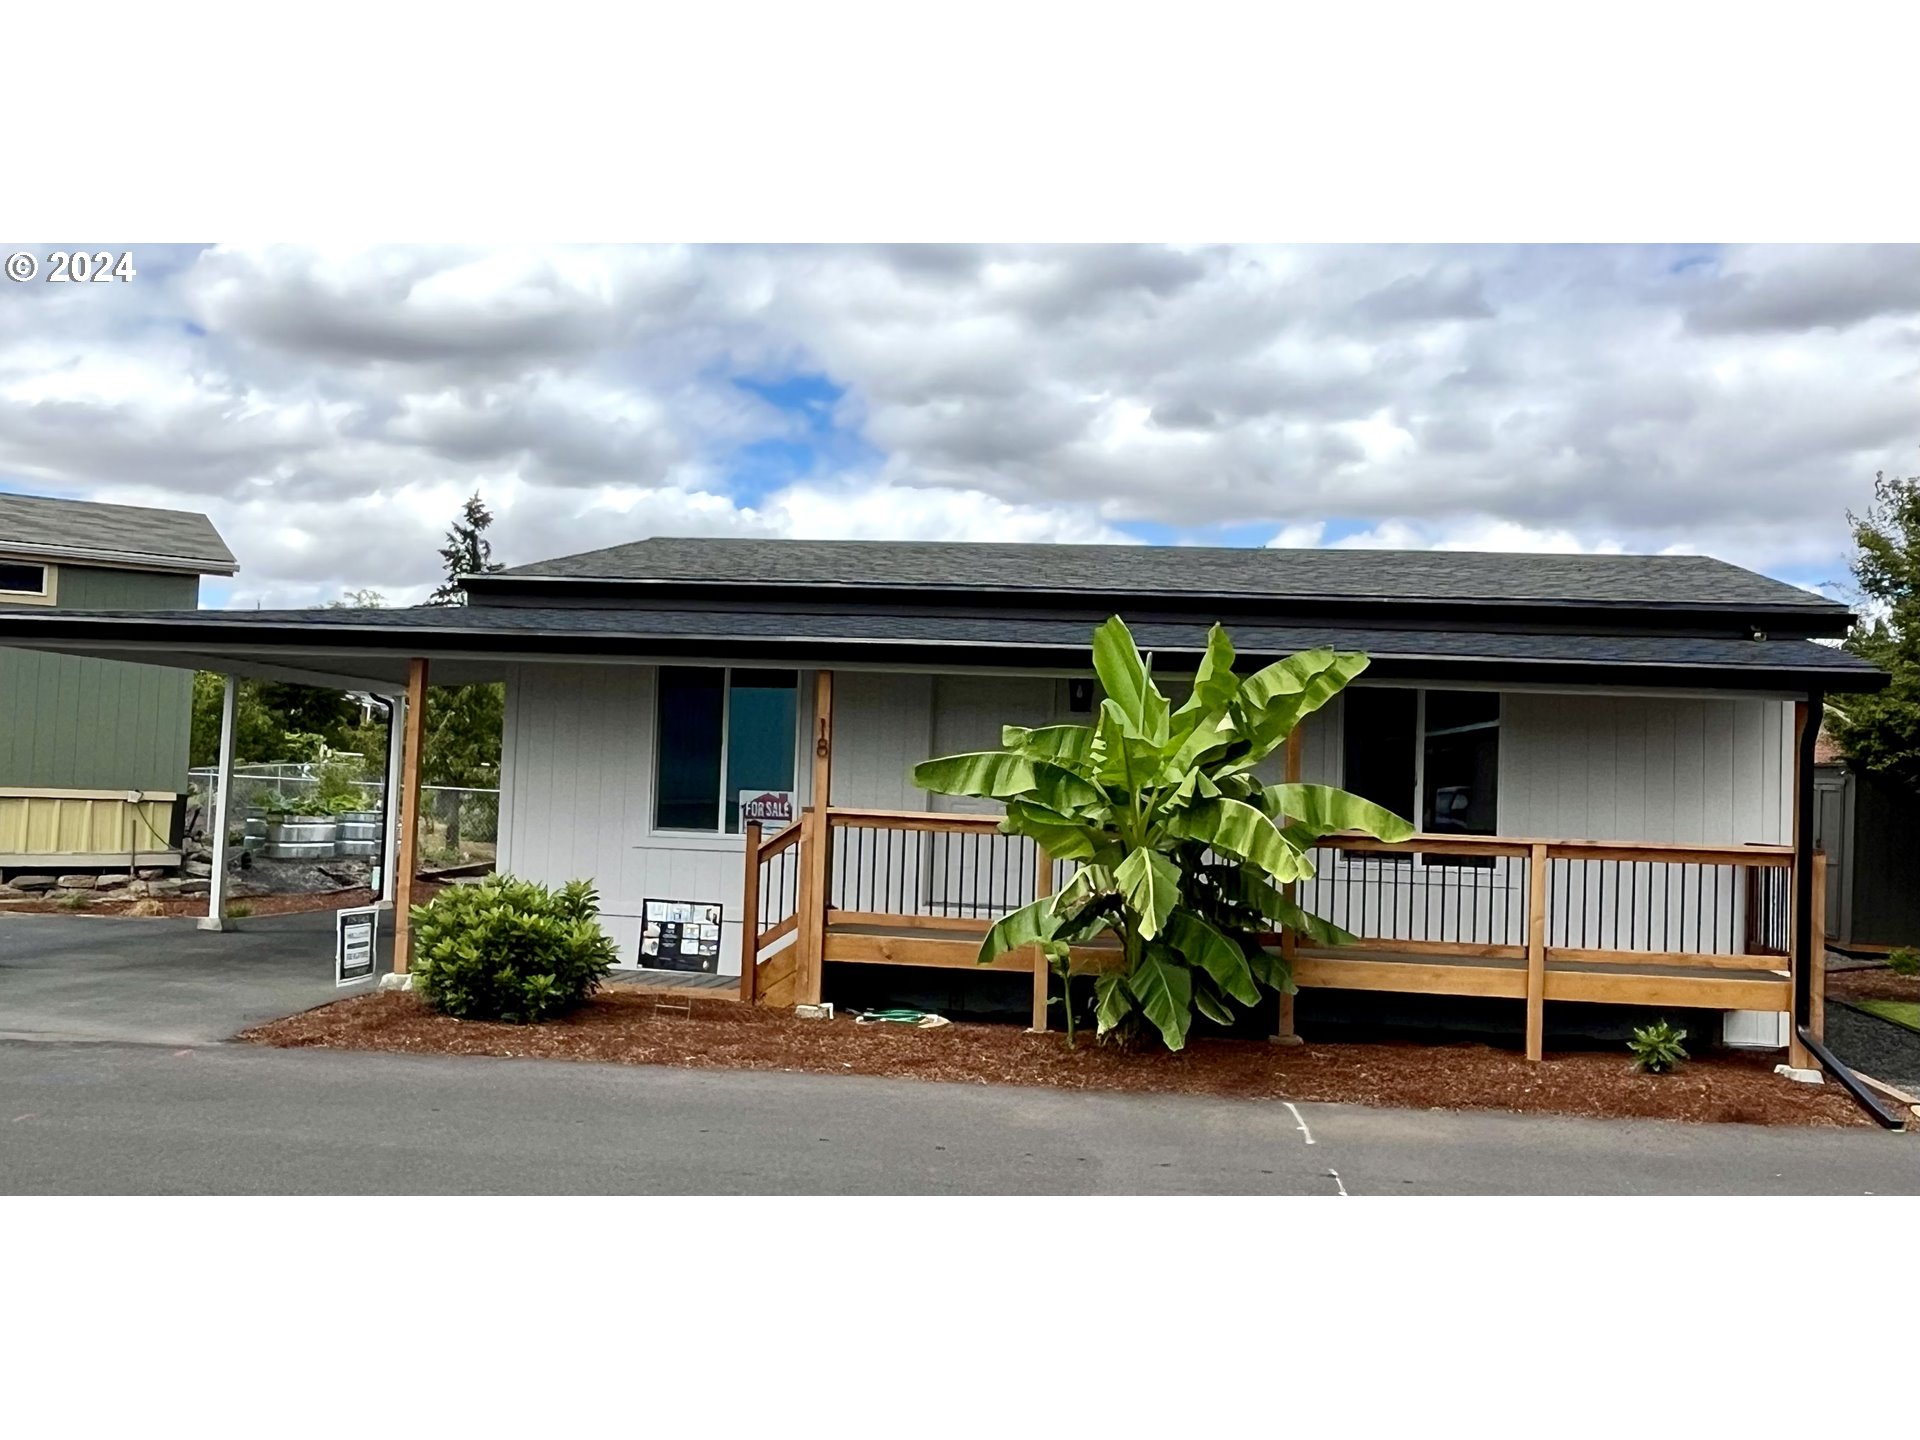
{"x": 29, "y": 579}
{"x": 761, "y": 714}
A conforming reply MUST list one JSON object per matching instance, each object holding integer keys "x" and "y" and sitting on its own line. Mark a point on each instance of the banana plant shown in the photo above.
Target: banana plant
{"x": 1182, "y": 852}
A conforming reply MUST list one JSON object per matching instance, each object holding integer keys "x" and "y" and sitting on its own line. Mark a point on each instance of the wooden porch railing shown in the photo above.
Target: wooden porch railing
{"x": 1531, "y": 920}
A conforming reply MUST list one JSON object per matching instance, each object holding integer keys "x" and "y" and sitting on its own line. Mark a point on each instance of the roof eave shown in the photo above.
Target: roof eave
{"x": 174, "y": 564}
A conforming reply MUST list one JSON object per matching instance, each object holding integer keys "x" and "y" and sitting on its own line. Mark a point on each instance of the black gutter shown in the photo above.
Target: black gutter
{"x": 1827, "y": 619}
{"x": 1803, "y": 936}
{"x": 805, "y": 651}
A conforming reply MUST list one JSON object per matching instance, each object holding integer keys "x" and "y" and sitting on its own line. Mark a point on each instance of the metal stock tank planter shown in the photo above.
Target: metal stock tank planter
{"x": 302, "y": 837}
{"x": 359, "y": 834}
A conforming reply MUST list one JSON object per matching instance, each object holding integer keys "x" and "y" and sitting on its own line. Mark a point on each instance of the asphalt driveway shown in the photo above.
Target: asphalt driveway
{"x": 162, "y": 981}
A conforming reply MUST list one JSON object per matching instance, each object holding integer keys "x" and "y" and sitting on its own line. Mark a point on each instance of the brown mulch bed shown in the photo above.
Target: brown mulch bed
{"x": 151, "y": 905}
{"x": 632, "y": 1029}
{"x": 1874, "y": 983}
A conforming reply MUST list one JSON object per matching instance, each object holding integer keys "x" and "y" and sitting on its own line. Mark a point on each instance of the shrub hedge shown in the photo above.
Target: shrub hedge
{"x": 509, "y": 949}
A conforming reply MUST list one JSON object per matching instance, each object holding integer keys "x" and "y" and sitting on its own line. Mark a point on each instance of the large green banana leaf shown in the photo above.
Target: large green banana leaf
{"x": 1318, "y": 810}
{"x": 1128, "y": 684}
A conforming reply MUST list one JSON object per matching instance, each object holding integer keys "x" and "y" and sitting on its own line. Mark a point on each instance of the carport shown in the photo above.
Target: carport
{"x": 379, "y": 652}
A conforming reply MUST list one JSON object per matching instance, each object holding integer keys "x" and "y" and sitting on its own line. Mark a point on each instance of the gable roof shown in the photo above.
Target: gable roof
{"x": 1453, "y": 576}
{"x": 134, "y": 535}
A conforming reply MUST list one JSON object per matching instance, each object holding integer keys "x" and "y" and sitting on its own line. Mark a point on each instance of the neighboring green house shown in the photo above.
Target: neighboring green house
{"x": 93, "y": 752}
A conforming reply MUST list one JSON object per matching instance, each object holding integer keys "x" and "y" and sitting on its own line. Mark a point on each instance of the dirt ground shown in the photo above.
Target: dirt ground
{"x": 197, "y": 904}
{"x": 646, "y": 1029}
{"x": 1873, "y": 983}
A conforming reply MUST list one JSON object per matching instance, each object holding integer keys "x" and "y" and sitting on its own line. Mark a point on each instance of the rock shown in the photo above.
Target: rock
{"x": 136, "y": 889}
{"x": 150, "y": 874}
{"x": 198, "y": 869}
{"x": 7, "y": 892}
{"x": 77, "y": 882}
{"x": 34, "y": 882}
{"x": 194, "y": 887}
{"x": 164, "y": 887}
{"x": 111, "y": 882}
{"x": 391, "y": 981}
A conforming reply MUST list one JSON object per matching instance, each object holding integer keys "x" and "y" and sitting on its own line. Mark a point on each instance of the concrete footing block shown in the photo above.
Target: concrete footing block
{"x": 391, "y": 981}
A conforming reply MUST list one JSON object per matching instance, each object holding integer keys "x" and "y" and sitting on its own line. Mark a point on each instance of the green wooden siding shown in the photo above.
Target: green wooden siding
{"x": 75, "y": 724}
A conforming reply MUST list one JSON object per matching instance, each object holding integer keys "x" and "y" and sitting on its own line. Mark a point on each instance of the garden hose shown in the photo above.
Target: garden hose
{"x": 919, "y": 1019}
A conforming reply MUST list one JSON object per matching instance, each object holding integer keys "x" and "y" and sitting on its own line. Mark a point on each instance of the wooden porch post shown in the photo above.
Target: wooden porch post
{"x": 216, "y": 917}
{"x": 1537, "y": 953}
{"x": 750, "y": 912}
{"x": 1043, "y": 887}
{"x": 1284, "y": 1032}
{"x": 416, "y": 731}
{"x": 819, "y": 843}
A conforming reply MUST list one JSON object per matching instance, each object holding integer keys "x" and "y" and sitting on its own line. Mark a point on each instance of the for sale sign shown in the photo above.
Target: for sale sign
{"x": 354, "y": 934}
{"x": 772, "y": 809}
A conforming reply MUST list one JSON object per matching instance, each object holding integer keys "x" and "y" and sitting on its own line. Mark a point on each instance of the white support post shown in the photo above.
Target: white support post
{"x": 216, "y": 917}
{"x": 390, "y": 840}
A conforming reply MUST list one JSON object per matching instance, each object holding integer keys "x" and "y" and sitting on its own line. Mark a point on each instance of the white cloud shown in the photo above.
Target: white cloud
{"x": 329, "y": 408}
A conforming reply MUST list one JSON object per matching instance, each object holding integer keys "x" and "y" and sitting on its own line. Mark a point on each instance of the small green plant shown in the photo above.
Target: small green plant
{"x": 509, "y": 949}
{"x": 1656, "y": 1048}
{"x": 1904, "y": 960}
{"x": 239, "y": 910}
{"x": 79, "y": 900}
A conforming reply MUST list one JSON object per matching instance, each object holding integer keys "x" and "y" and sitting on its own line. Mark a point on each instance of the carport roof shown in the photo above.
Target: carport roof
{"x": 369, "y": 649}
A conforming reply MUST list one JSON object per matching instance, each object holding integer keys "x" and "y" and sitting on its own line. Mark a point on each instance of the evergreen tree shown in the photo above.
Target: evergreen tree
{"x": 464, "y": 722}
{"x": 467, "y": 551}
{"x": 1881, "y": 731}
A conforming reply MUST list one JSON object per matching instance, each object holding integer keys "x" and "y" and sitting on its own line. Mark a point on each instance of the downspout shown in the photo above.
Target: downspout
{"x": 1803, "y": 936}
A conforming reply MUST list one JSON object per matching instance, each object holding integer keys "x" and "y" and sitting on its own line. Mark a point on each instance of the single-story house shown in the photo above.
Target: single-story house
{"x": 1608, "y": 757}
{"x": 93, "y": 752}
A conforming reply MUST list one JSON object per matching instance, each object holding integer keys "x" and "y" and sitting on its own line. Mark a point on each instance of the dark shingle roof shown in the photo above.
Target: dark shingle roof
{"x": 1411, "y": 575}
{"x": 125, "y": 534}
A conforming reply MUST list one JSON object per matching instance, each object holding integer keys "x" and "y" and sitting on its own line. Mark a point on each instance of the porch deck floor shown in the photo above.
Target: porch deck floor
{"x": 713, "y": 987}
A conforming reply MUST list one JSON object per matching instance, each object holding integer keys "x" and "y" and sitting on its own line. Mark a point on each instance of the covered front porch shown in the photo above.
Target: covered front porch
{"x": 1653, "y": 923}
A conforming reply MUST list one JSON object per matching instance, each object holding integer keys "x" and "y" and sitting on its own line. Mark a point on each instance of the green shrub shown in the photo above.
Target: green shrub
{"x": 1656, "y": 1048}
{"x": 239, "y": 910}
{"x": 509, "y": 949}
{"x": 1904, "y": 961}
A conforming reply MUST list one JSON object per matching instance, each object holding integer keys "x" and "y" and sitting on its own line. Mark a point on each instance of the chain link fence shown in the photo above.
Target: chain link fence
{"x": 459, "y": 825}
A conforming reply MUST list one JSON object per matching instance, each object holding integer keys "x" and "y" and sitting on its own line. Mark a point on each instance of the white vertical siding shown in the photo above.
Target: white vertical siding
{"x": 882, "y": 728}
{"x": 577, "y": 781}
{"x": 577, "y": 802}
{"x": 1584, "y": 767}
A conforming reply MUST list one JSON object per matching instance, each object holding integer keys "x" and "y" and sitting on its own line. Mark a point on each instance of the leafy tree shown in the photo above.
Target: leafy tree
{"x": 258, "y": 733}
{"x": 464, "y": 722}
{"x": 1881, "y": 731}
{"x": 1182, "y": 850}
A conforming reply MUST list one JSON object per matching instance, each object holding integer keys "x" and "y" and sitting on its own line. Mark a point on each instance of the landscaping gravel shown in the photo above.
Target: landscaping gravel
{"x": 1886, "y": 1051}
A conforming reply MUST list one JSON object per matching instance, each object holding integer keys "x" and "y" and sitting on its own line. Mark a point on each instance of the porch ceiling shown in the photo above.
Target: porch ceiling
{"x": 359, "y": 649}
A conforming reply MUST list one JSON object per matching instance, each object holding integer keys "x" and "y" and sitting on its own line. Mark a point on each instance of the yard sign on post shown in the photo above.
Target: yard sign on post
{"x": 354, "y": 934}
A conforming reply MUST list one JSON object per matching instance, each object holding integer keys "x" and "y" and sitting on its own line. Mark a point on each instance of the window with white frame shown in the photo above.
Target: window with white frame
{"x": 1432, "y": 756}
{"x": 720, "y": 731}
{"x": 18, "y": 577}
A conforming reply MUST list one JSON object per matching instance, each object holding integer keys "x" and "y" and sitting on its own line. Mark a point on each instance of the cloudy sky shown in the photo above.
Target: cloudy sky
{"x": 330, "y": 408}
